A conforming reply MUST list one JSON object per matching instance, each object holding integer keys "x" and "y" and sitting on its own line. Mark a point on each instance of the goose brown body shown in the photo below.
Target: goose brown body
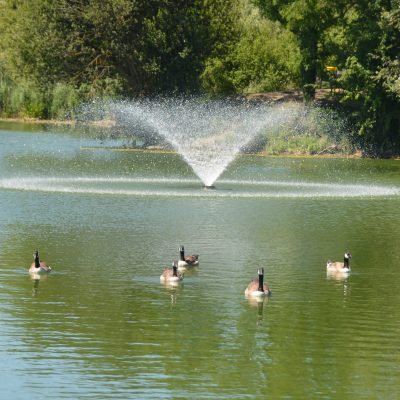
{"x": 170, "y": 275}
{"x": 191, "y": 260}
{"x": 339, "y": 266}
{"x": 336, "y": 265}
{"x": 253, "y": 287}
{"x": 187, "y": 261}
{"x": 39, "y": 266}
{"x": 257, "y": 287}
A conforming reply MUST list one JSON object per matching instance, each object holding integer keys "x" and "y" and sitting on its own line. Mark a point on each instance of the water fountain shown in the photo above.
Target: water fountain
{"x": 207, "y": 134}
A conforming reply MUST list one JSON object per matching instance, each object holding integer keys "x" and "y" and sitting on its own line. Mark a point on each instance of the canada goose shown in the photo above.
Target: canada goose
{"x": 337, "y": 266}
{"x": 38, "y": 266}
{"x": 187, "y": 261}
{"x": 171, "y": 275}
{"x": 257, "y": 287}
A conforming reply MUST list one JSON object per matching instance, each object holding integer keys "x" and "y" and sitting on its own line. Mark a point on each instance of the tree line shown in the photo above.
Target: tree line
{"x": 55, "y": 54}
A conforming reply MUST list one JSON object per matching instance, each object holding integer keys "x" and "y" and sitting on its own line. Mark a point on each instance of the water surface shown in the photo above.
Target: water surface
{"x": 102, "y": 326}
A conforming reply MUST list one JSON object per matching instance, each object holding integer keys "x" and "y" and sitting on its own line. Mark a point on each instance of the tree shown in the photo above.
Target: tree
{"x": 152, "y": 46}
{"x": 262, "y": 56}
{"x": 371, "y": 75}
{"x": 308, "y": 20}
{"x": 389, "y": 71}
{"x": 362, "y": 39}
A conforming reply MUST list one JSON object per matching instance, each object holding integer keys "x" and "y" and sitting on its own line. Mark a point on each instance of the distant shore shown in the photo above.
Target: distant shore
{"x": 322, "y": 96}
{"x": 330, "y": 152}
{"x": 38, "y": 121}
{"x": 56, "y": 122}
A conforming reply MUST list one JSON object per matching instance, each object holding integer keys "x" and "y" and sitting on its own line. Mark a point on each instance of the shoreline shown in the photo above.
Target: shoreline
{"x": 37, "y": 121}
{"x": 356, "y": 155}
{"x": 107, "y": 124}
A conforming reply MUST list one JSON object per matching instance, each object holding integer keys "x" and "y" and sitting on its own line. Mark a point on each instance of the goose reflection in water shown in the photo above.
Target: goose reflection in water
{"x": 35, "y": 288}
{"x": 36, "y": 278}
{"x": 339, "y": 278}
{"x": 173, "y": 290}
{"x": 258, "y": 302}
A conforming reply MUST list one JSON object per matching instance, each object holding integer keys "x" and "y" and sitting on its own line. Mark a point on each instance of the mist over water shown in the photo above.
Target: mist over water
{"x": 208, "y": 135}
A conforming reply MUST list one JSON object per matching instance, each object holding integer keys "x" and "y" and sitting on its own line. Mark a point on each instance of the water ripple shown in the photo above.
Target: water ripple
{"x": 175, "y": 187}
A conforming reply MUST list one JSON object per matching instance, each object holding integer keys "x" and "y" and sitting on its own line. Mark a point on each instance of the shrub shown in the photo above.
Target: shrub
{"x": 64, "y": 99}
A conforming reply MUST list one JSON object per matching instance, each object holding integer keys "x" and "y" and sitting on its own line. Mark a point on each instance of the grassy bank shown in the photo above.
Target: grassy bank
{"x": 275, "y": 143}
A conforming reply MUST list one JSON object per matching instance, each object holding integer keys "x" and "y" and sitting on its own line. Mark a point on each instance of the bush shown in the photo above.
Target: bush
{"x": 25, "y": 101}
{"x": 216, "y": 78}
{"x": 5, "y": 89}
{"x": 297, "y": 144}
{"x": 36, "y": 109}
{"x": 64, "y": 99}
{"x": 264, "y": 58}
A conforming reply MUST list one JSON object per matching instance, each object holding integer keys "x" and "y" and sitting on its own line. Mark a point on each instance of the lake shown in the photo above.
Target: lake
{"x": 101, "y": 326}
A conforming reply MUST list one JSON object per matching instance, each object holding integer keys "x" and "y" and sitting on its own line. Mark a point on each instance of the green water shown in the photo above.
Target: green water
{"x": 101, "y": 326}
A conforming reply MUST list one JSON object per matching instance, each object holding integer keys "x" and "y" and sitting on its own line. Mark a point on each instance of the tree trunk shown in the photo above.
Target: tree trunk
{"x": 308, "y": 43}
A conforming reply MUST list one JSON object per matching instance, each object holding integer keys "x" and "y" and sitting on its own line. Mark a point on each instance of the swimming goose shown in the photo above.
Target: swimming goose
{"x": 337, "y": 266}
{"x": 257, "y": 287}
{"x": 187, "y": 261}
{"x": 171, "y": 275}
{"x": 38, "y": 266}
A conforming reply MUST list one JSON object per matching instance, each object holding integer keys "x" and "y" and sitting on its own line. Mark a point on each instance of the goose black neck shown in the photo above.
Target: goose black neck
{"x": 261, "y": 282}
{"x": 37, "y": 262}
{"x": 174, "y": 271}
{"x": 182, "y": 252}
{"x": 346, "y": 262}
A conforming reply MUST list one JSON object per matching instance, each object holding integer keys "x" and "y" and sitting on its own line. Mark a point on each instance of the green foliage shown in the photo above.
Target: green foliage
{"x": 265, "y": 65}
{"x": 373, "y": 111}
{"x": 64, "y": 99}
{"x": 152, "y": 46}
{"x": 371, "y": 74}
{"x": 389, "y": 75}
{"x": 264, "y": 57}
{"x": 5, "y": 89}
{"x": 217, "y": 77}
{"x": 362, "y": 39}
{"x": 322, "y": 132}
{"x": 55, "y": 54}
{"x": 284, "y": 143}
{"x": 87, "y": 49}
{"x": 315, "y": 130}
{"x": 389, "y": 70}
{"x": 307, "y": 19}
{"x": 24, "y": 100}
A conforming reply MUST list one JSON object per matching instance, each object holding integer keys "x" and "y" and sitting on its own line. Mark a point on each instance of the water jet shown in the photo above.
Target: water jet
{"x": 208, "y": 135}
